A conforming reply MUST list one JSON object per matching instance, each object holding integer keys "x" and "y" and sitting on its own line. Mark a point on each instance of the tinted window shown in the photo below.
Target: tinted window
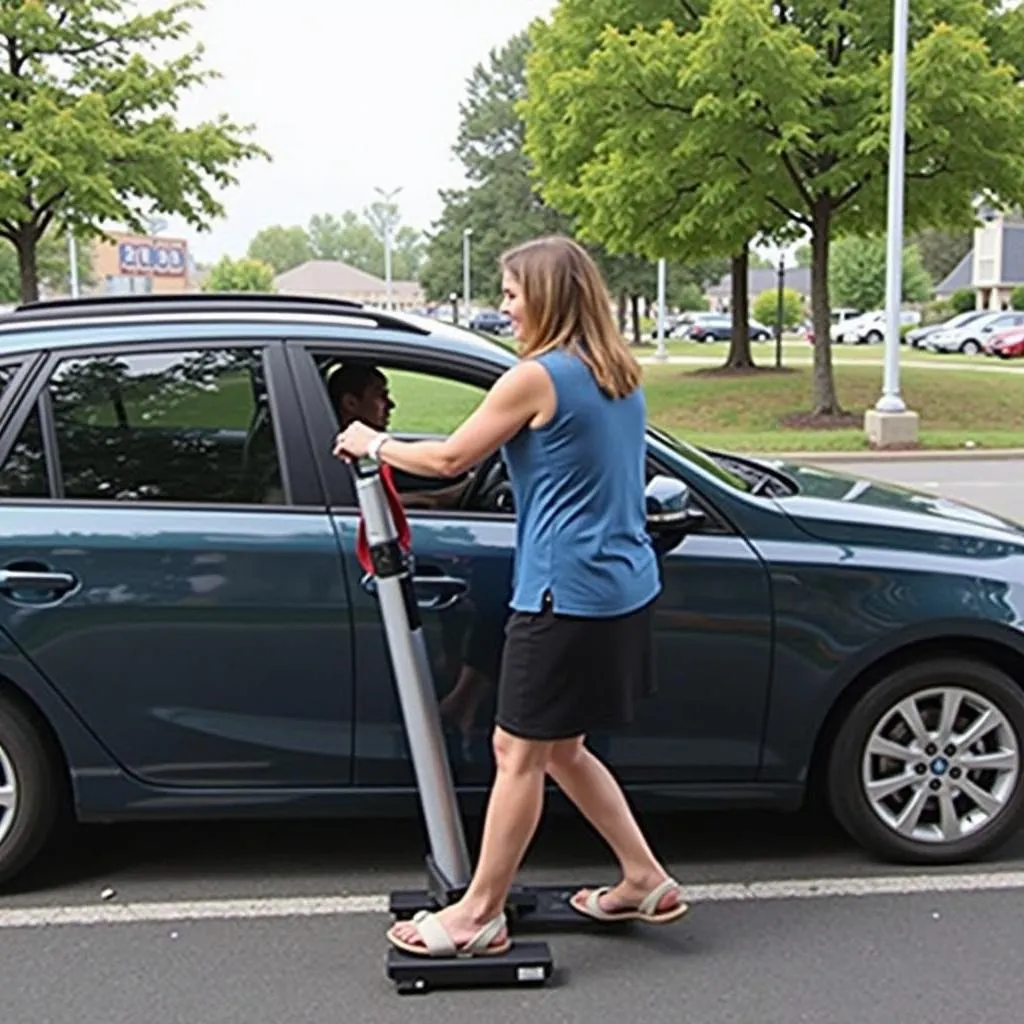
{"x": 24, "y": 472}
{"x": 190, "y": 426}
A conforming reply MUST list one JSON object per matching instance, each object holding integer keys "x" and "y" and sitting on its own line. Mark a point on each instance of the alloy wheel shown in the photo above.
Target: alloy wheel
{"x": 8, "y": 794}
{"x": 941, "y": 764}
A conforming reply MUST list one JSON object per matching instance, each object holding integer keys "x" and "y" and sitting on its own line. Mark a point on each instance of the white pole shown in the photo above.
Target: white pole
{"x": 387, "y": 197}
{"x": 661, "y": 353}
{"x": 73, "y": 263}
{"x": 891, "y": 400}
{"x": 466, "y": 235}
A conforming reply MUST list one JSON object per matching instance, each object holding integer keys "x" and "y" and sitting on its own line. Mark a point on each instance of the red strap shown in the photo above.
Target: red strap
{"x": 397, "y": 513}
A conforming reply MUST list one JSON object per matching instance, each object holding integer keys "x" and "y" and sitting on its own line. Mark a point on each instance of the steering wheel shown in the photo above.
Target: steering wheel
{"x": 490, "y": 490}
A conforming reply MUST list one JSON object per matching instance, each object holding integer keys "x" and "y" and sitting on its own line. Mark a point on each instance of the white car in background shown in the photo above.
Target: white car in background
{"x": 970, "y": 338}
{"x": 869, "y": 328}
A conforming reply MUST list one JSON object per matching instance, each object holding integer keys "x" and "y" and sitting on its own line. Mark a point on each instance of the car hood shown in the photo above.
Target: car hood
{"x": 842, "y": 508}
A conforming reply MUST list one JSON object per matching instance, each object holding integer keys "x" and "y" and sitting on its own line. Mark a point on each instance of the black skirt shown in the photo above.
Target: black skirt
{"x": 564, "y": 676}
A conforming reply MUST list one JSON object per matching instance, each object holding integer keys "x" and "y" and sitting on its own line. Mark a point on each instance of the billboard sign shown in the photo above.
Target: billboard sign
{"x": 162, "y": 257}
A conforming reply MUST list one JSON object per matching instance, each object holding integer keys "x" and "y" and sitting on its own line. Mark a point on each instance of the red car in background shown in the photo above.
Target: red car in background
{"x": 1006, "y": 344}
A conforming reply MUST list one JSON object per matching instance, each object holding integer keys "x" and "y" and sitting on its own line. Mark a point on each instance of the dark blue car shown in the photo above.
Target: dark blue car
{"x": 185, "y": 631}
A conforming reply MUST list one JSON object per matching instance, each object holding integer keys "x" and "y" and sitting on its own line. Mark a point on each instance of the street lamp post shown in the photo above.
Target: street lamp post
{"x": 661, "y": 353}
{"x": 387, "y": 197}
{"x": 467, "y": 234}
{"x": 780, "y": 311}
{"x": 73, "y": 263}
{"x": 890, "y": 422}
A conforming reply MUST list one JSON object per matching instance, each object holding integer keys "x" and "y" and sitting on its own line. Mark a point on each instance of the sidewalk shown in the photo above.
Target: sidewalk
{"x": 986, "y": 367}
{"x": 931, "y": 455}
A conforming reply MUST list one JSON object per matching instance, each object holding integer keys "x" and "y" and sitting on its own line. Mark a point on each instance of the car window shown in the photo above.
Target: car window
{"x": 426, "y": 404}
{"x": 185, "y": 426}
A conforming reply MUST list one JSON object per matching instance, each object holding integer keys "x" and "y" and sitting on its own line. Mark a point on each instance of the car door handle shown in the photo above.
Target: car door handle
{"x": 433, "y": 593}
{"x": 438, "y": 593}
{"x": 33, "y": 579}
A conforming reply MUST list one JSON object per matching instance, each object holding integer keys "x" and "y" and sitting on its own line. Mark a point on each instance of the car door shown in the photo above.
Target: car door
{"x": 713, "y": 619}
{"x": 168, "y": 565}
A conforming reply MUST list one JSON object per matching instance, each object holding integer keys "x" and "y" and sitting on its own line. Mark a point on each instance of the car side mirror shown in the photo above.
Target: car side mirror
{"x": 671, "y": 512}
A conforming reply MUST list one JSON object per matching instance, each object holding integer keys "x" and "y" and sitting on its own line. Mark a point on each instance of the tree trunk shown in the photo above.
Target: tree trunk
{"x": 739, "y": 344}
{"x": 623, "y": 305}
{"x": 634, "y": 304}
{"x": 28, "y": 269}
{"x": 825, "y": 401}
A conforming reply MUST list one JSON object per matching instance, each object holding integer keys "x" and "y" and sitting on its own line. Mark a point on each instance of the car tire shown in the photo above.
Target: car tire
{"x": 873, "y": 338}
{"x": 970, "y": 348}
{"x": 875, "y": 718}
{"x": 30, "y": 775}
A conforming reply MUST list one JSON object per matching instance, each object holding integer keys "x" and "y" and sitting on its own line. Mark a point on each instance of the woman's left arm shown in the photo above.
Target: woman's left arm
{"x": 515, "y": 399}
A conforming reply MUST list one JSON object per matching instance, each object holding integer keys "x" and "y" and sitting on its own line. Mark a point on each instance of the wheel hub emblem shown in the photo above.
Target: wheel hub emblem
{"x": 940, "y": 766}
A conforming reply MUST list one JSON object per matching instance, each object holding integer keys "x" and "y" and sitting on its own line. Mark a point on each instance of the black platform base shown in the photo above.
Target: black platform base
{"x": 543, "y": 906}
{"x": 525, "y": 964}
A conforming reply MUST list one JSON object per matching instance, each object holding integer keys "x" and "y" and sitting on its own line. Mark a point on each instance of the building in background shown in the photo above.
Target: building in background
{"x": 336, "y": 280}
{"x": 138, "y": 264}
{"x": 995, "y": 265}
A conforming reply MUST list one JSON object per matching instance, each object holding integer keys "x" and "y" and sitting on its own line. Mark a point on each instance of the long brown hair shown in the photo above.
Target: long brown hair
{"x": 567, "y": 305}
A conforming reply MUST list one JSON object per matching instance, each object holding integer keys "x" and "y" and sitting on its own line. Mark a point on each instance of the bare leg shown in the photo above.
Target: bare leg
{"x": 593, "y": 789}
{"x": 513, "y": 814}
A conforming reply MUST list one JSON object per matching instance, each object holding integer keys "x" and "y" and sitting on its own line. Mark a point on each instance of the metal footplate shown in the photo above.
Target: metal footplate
{"x": 448, "y": 867}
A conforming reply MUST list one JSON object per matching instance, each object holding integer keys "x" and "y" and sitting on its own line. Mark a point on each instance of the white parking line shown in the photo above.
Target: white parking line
{"x": 328, "y": 906}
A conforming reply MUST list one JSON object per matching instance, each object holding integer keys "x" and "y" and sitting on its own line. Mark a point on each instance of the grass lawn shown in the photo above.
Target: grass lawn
{"x": 741, "y": 412}
{"x": 748, "y": 412}
{"x": 795, "y": 350}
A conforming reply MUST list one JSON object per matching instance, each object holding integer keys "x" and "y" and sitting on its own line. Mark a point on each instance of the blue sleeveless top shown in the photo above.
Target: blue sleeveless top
{"x": 578, "y": 483}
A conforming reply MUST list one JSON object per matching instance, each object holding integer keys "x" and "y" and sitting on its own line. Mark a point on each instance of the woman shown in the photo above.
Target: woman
{"x": 570, "y": 418}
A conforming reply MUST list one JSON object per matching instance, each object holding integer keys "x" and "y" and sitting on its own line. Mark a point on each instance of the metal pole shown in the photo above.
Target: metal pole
{"x": 417, "y": 698}
{"x": 387, "y": 197}
{"x": 73, "y": 263}
{"x": 891, "y": 400}
{"x": 661, "y": 353}
{"x": 466, "y": 235}
{"x": 780, "y": 310}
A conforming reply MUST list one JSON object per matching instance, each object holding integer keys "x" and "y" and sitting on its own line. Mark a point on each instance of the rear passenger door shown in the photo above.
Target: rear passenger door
{"x": 167, "y": 563}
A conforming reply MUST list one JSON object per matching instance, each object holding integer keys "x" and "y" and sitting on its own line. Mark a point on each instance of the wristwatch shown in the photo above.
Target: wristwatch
{"x": 373, "y": 449}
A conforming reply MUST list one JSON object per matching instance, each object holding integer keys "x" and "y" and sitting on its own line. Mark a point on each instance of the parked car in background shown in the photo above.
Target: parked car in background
{"x": 490, "y": 321}
{"x": 186, "y": 631}
{"x": 917, "y": 337}
{"x": 869, "y": 328}
{"x": 1006, "y": 344}
{"x": 970, "y": 339}
{"x": 718, "y": 327}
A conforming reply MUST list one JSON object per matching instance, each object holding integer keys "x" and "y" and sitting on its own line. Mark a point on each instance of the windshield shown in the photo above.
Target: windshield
{"x": 700, "y": 458}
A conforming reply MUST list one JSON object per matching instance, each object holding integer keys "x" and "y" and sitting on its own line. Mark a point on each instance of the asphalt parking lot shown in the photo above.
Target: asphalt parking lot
{"x": 284, "y": 922}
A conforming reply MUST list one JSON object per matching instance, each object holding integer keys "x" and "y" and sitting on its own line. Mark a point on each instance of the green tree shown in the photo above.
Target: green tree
{"x": 53, "y": 267}
{"x": 1017, "y": 297}
{"x": 784, "y": 108}
{"x": 941, "y": 251}
{"x": 281, "y": 248}
{"x": 766, "y": 308}
{"x": 358, "y": 240}
{"x": 688, "y": 296}
{"x": 499, "y": 204}
{"x": 244, "y": 275}
{"x": 90, "y": 133}
{"x": 600, "y": 71}
{"x": 963, "y": 300}
{"x": 857, "y": 271}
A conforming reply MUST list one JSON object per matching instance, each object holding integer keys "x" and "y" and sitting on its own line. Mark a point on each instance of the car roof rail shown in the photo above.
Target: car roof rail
{"x": 237, "y": 302}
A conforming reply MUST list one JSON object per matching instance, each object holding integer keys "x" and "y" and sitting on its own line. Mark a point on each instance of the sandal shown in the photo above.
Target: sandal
{"x": 647, "y": 911}
{"x": 438, "y": 943}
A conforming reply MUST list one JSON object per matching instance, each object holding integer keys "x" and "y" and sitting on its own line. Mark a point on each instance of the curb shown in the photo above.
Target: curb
{"x": 931, "y": 455}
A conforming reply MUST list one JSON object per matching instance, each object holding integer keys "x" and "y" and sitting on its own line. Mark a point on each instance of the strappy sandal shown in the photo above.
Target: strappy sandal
{"x": 438, "y": 943}
{"x": 647, "y": 911}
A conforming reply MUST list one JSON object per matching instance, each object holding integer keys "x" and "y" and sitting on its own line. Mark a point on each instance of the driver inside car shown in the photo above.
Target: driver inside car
{"x": 359, "y": 391}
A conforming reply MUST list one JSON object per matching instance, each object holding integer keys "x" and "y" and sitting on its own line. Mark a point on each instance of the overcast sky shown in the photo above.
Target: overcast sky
{"x": 347, "y": 95}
